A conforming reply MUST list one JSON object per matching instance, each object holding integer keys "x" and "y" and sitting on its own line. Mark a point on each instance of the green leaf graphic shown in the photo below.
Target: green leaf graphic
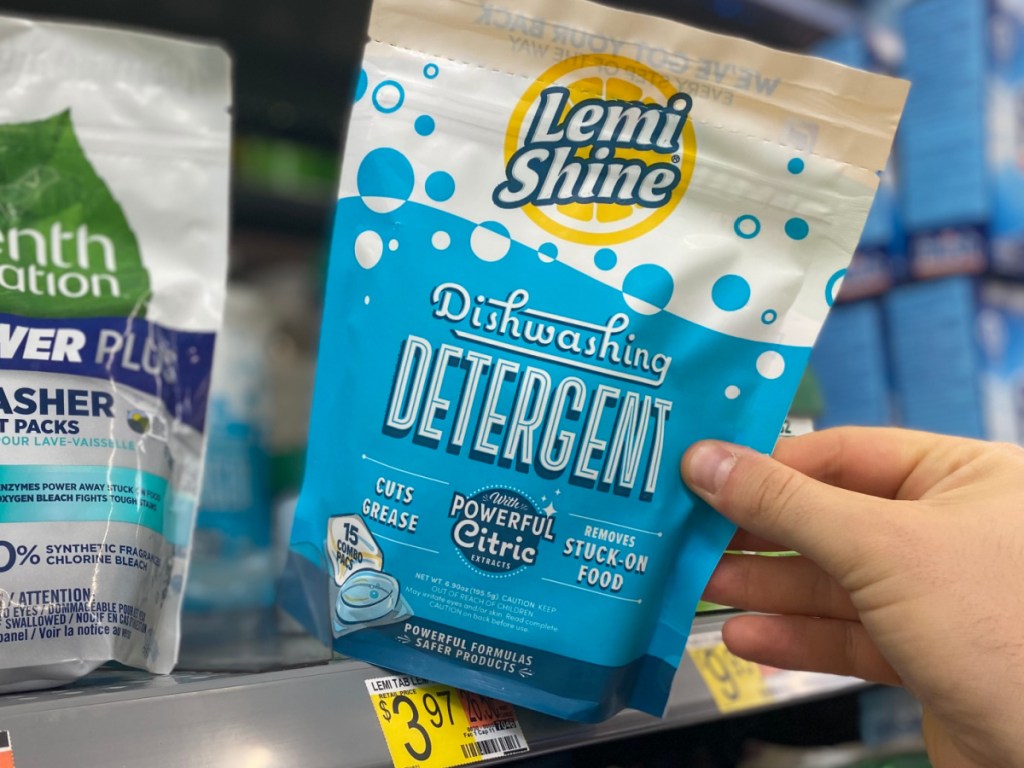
{"x": 67, "y": 249}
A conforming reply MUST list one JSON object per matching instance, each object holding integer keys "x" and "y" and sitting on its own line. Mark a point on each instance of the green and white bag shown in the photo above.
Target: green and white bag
{"x": 114, "y": 167}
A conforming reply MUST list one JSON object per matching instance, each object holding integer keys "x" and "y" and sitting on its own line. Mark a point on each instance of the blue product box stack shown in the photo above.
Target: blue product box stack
{"x": 849, "y": 362}
{"x": 1006, "y": 147}
{"x": 935, "y": 356}
{"x": 960, "y": 138}
{"x": 955, "y": 337}
{"x": 1000, "y": 331}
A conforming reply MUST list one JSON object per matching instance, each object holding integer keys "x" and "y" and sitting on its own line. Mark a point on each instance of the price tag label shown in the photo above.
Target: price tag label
{"x": 428, "y": 725}
{"x": 6, "y": 750}
{"x": 795, "y": 425}
{"x": 735, "y": 684}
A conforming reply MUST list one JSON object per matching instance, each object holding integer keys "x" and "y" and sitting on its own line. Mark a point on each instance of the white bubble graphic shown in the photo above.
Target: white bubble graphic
{"x": 383, "y": 204}
{"x": 489, "y": 245}
{"x": 393, "y": 245}
{"x": 441, "y": 241}
{"x": 369, "y": 249}
{"x": 732, "y": 392}
{"x": 648, "y": 288}
{"x": 771, "y": 365}
{"x": 547, "y": 252}
{"x": 366, "y": 300}
{"x": 640, "y": 306}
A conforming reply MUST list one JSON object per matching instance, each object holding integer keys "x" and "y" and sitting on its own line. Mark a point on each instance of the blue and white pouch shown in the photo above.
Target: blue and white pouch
{"x": 570, "y": 241}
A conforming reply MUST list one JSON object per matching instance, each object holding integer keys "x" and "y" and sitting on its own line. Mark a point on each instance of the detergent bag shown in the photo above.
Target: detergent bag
{"x": 569, "y": 242}
{"x": 113, "y": 250}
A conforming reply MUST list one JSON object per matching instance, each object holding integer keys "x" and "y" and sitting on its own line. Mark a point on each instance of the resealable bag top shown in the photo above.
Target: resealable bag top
{"x": 569, "y": 242}
{"x": 113, "y": 255}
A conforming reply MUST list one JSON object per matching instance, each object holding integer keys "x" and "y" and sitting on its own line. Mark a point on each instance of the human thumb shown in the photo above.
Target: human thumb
{"x": 775, "y": 502}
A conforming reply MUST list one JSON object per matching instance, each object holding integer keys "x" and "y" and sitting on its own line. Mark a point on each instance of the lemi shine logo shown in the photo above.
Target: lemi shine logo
{"x": 599, "y": 150}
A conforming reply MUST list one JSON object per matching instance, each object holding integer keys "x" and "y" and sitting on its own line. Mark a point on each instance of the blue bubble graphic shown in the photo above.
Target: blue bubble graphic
{"x": 832, "y": 287}
{"x": 388, "y": 97}
{"x": 361, "y": 84}
{"x": 386, "y": 172}
{"x": 424, "y": 125}
{"x": 797, "y": 228}
{"x": 606, "y": 259}
{"x": 548, "y": 249}
{"x": 440, "y": 186}
{"x": 730, "y": 293}
{"x": 769, "y": 316}
{"x": 490, "y": 241}
{"x": 431, "y": 71}
{"x": 650, "y": 283}
{"x": 494, "y": 226}
{"x": 748, "y": 227}
{"x": 796, "y": 165}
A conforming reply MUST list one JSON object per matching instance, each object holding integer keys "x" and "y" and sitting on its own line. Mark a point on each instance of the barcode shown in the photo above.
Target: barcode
{"x": 503, "y": 744}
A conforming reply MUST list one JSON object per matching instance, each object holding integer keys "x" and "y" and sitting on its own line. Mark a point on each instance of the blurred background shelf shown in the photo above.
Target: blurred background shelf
{"x": 295, "y": 70}
{"x": 305, "y": 715}
{"x": 878, "y": 361}
{"x": 296, "y": 61}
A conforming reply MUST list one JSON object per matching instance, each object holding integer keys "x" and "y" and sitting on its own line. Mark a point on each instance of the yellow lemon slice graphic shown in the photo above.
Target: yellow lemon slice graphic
{"x": 612, "y": 79}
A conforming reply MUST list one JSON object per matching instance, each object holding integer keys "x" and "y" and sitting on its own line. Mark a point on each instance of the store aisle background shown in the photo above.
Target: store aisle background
{"x": 928, "y": 331}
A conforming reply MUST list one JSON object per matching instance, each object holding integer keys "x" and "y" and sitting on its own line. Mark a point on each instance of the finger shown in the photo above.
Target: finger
{"x": 789, "y": 585}
{"x": 812, "y": 645}
{"x": 877, "y": 461}
{"x": 745, "y": 541}
{"x": 834, "y": 527}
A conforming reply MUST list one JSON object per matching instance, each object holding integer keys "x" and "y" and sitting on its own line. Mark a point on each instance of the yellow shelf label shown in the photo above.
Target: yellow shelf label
{"x": 428, "y": 725}
{"x": 735, "y": 684}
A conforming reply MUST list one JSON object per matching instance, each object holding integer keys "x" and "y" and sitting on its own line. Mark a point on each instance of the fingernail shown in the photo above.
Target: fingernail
{"x": 710, "y": 466}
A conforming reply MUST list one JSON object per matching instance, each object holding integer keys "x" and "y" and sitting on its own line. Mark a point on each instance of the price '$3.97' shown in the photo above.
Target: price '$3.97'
{"x": 427, "y": 725}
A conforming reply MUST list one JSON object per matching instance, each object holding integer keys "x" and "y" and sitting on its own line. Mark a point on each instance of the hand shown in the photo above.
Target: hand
{"x": 912, "y": 571}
